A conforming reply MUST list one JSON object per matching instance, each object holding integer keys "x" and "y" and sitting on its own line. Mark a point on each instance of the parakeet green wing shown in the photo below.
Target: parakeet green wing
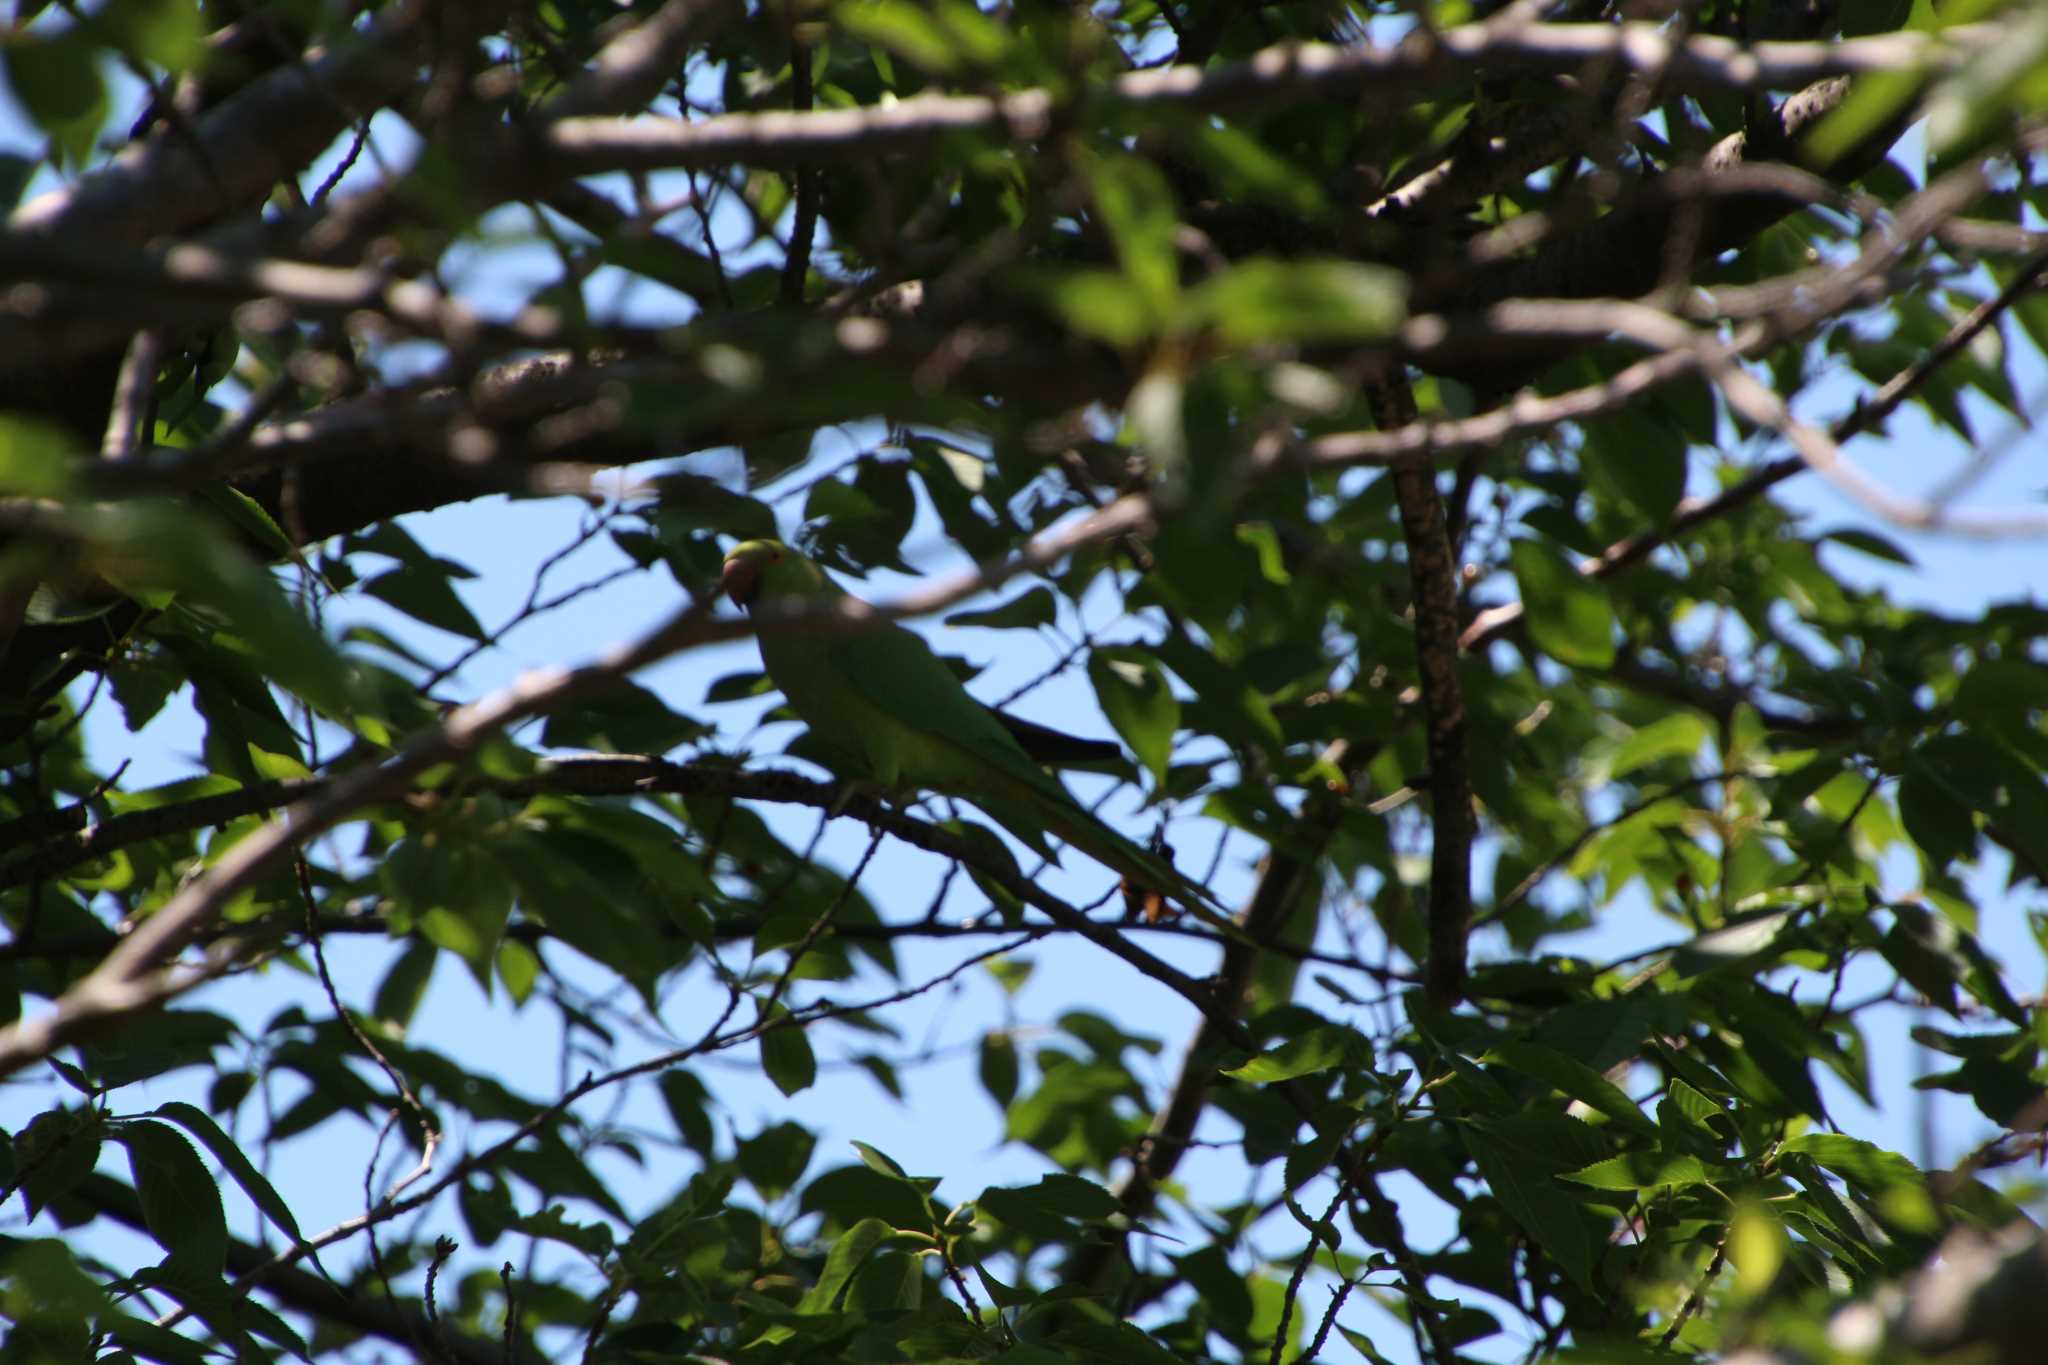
{"x": 897, "y": 672}
{"x": 954, "y": 744}
{"x": 928, "y": 731}
{"x": 883, "y": 693}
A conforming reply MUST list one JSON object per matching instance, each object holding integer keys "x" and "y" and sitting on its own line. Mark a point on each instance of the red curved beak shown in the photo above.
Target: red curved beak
{"x": 742, "y": 580}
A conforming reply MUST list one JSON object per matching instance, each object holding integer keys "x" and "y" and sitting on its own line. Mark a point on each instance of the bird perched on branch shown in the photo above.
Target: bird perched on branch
{"x": 880, "y": 699}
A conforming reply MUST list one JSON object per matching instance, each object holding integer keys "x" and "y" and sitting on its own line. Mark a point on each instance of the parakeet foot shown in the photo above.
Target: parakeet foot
{"x": 849, "y": 790}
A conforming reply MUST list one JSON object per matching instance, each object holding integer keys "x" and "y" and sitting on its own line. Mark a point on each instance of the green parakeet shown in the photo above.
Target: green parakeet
{"x": 883, "y": 696}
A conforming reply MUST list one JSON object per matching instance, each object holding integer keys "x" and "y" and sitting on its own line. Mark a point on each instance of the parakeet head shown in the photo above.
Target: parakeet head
{"x": 754, "y": 567}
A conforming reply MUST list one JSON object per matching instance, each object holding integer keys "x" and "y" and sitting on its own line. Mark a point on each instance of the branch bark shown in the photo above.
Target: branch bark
{"x": 1274, "y": 77}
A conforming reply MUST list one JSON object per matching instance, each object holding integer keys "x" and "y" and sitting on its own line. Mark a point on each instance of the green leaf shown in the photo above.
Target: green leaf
{"x": 937, "y": 36}
{"x": 54, "y": 1152}
{"x": 688, "y": 1104}
{"x": 1861, "y": 1163}
{"x": 152, "y": 549}
{"x": 999, "y": 1067}
{"x": 1776, "y": 1040}
{"x": 459, "y": 892}
{"x": 426, "y": 596}
{"x": 1862, "y": 18}
{"x": 41, "y": 1283}
{"x": 882, "y": 1071}
{"x": 1139, "y": 701}
{"x": 1135, "y": 206}
{"x": 140, "y": 1337}
{"x": 518, "y": 968}
{"x": 1682, "y": 734}
{"x": 404, "y": 984}
{"x": 1007, "y": 1296}
{"x": 1568, "y": 613}
{"x": 1096, "y": 303}
{"x": 57, "y": 81}
{"x": 165, "y": 33}
{"x": 16, "y": 171}
{"x": 1635, "y": 460}
{"x": 1872, "y": 101}
{"x": 890, "y": 1282}
{"x": 848, "y": 1254}
{"x": 1319, "y": 1049}
{"x": 1520, "y": 1156}
{"x": 1985, "y": 89}
{"x": 180, "y": 1203}
{"x": 1011, "y": 973}
{"x": 1224, "y": 702}
{"x": 1120, "y": 1342}
{"x": 239, "y": 1168}
{"x": 1032, "y": 608}
{"x": 1307, "y": 1160}
{"x": 1933, "y": 816}
{"x": 1247, "y": 168}
{"x": 1895, "y": 1186}
{"x": 553, "y": 1225}
{"x": 1641, "y": 1171}
{"x": 141, "y": 688}
{"x": 175, "y": 1039}
{"x": 1735, "y": 945}
{"x": 625, "y": 718}
{"x": 1953, "y": 775}
{"x": 880, "y": 1162}
{"x": 557, "y": 1170}
{"x": 1072, "y": 1197}
{"x": 774, "y": 1158}
{"x": 2002, "y": 1090}
{"x": 34, "y": 457}
{"x": 1870, "y": 543}
{"x": 862, "y": 523}
{"x": 248, "y": 516}
{"x": 1262, "y": 300}
{"x": 708, "y": 507}
{"x": 1050, "y": 1208}
{"x": 1572, "y": 1076}
{"x": 1364, "y": 1346}
{"x": 574, "y": 882}
{"x": 787, "y": 1057}
{"x": 1922, "y": 948}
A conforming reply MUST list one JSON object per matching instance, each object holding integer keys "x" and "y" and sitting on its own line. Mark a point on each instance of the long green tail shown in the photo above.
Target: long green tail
{"x": 1078, "y": 827}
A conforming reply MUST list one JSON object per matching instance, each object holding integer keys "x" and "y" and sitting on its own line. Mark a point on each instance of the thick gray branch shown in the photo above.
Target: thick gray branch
{"x": 232, "y": 155}
{"x": 1278, "y": 75}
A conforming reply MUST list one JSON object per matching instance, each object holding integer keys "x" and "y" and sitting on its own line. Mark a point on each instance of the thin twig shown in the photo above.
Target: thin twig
{"x": 1294, "y": 1281}
{"x": 796, "y": 266}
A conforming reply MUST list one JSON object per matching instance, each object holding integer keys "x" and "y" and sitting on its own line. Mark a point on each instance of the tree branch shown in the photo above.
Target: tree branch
{"x": 1433, "y": 598}
{"x": 1276, "y": 76}
{"x": 261, "y": 134}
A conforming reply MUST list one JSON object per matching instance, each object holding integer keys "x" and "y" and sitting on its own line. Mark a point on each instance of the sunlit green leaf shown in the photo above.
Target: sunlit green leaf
{"x": 1568, "y": 614}
{"x": 1139, "y": 702}
{"x": 1312, "y": 301}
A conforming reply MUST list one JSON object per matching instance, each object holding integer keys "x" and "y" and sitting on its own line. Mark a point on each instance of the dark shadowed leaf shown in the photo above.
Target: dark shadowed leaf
{"x": 1568, "y": 614}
